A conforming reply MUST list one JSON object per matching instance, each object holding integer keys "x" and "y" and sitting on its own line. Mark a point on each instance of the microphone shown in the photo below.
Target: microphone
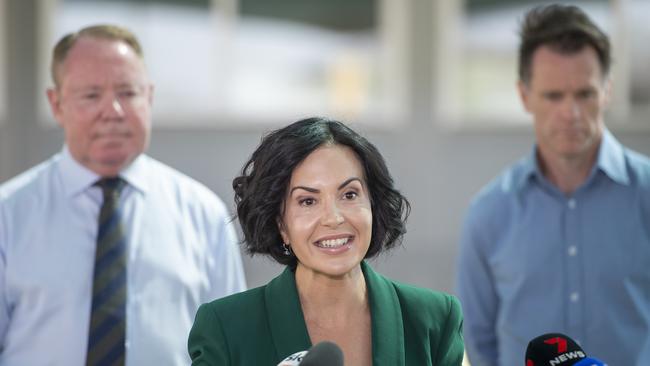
{"x": 293, "y": 360}
{"x": 323, "y": 354}
{"x": 557, "y": 349}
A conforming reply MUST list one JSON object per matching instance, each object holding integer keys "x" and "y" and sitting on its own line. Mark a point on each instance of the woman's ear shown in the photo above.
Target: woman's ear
{"x": 283, "y": 231}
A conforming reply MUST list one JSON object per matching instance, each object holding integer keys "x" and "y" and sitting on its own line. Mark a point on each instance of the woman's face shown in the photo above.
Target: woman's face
{"x": 327, "y": 218}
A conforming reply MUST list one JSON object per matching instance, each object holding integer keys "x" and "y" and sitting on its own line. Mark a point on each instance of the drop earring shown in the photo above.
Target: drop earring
{"x": 287, "y": 249}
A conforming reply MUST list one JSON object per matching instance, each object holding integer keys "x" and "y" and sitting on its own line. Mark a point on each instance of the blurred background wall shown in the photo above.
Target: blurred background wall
{"x": 431, "y": 83}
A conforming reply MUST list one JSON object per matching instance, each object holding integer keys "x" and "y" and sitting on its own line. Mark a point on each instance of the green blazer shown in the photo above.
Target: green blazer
{"x": 262, "y": 326}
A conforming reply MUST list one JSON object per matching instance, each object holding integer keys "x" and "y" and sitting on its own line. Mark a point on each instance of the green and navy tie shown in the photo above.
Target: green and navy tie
{"x": 108, "y": 313}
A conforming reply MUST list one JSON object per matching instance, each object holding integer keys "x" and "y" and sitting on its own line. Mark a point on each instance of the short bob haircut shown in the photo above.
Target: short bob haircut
{"x": 564, "y": 28}
{"x": 261, "y": 188}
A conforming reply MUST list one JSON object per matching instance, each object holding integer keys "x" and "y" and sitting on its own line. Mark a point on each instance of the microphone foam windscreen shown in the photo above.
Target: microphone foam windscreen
{"x": 553, "y": 349}
{"x": 323, "y": 354}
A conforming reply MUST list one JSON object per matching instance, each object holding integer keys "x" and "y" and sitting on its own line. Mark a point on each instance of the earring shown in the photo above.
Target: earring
{"x": 287, "y": 249}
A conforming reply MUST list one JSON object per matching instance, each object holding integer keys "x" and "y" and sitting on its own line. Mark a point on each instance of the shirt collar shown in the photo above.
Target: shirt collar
{"x": 529, "y": 169}
{"x": 77, "y": 178}
{"x": 610, "y": 160}
{"x": 136, "y": 173}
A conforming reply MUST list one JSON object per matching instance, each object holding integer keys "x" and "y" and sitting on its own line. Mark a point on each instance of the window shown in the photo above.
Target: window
{"x": 243, "y": 62}
{"x": 631, "y": 58}
{"x": 176, "y": 38}
{"x": 476, "y": 58}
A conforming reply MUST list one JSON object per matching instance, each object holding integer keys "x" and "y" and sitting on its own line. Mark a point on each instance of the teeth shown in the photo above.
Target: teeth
{"x": 333, "y": 243}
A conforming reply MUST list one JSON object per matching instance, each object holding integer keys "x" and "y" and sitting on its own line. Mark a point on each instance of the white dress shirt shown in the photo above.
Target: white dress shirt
{"x": 182, "y": 251}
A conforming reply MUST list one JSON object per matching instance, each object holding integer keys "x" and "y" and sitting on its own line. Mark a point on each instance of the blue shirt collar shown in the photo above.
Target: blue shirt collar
{"x": 77, "y": 178}
{"x": 611, "y": 161}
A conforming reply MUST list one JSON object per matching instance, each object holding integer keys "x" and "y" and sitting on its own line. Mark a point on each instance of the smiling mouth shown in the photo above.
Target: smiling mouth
{"x": 332, "y": 243}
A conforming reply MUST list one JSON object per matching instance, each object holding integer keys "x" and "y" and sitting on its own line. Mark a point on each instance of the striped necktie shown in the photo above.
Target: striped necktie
{"x": 108, "y": 313}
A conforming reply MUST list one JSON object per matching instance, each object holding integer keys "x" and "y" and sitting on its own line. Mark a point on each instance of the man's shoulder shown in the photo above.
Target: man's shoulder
{"x": 160, "y": 170}
{"x": 187, "y": 189}
{"x": 29, "y": 183}
{"x": 496, "y": 194}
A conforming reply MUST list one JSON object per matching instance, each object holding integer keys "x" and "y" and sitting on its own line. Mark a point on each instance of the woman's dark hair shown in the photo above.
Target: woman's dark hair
{"x": 261, "y": 189}
{"x": 564, "y": 28}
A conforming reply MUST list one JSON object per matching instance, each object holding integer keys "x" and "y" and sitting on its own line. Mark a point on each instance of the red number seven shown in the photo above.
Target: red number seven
{"x": 561, "y": 343}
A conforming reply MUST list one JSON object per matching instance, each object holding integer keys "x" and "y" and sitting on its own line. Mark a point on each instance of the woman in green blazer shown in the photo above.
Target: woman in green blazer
{"x": 318, "y": 197}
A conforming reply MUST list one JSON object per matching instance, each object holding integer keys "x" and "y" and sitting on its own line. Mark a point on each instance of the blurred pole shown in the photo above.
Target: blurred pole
{"x": 225, "y": 16}
{"x": 21, "y": 30}
{"x": 448, "y": 18}
{"x": 621, "y": 64}
{"x": 5, "y": 152}
{"x": 396, "y": 46}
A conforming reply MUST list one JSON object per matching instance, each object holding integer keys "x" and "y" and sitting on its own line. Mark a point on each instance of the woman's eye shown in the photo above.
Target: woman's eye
{"x": 350, "y": 195}
{"x": 306, "y": 201}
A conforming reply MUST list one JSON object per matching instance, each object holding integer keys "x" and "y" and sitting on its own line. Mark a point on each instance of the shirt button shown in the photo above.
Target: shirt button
{"x": 572, "y": 251}
{"x": 574, "y": 297}
{"x": 572, "y": 203}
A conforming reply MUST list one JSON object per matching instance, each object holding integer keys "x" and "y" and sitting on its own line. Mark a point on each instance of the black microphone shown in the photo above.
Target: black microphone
{"x": 557, "y": 349}
{"x": 321, "y": 354}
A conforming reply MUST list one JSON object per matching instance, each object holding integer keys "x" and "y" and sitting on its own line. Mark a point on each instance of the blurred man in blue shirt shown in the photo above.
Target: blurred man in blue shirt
{"x": 560, "y": 241}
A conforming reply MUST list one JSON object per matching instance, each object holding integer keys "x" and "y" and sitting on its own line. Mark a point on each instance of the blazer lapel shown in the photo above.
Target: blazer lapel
{"x": 288, "y": 330}
{"x": 386, "y": 315}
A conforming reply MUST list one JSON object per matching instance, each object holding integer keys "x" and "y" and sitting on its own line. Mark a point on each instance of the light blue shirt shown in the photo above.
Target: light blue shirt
{"x": 182, "y": 251}
{"x": 534, "y": 261}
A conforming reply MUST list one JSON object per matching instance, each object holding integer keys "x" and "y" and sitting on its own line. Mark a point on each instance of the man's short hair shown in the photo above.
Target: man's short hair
{"x": 566, "y": 29}
{"x": 100, "y": 31}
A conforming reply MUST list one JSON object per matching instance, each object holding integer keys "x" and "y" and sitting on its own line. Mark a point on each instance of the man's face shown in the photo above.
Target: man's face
{"x": 566, "y": 95}
{"x": 103, "y": 103}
